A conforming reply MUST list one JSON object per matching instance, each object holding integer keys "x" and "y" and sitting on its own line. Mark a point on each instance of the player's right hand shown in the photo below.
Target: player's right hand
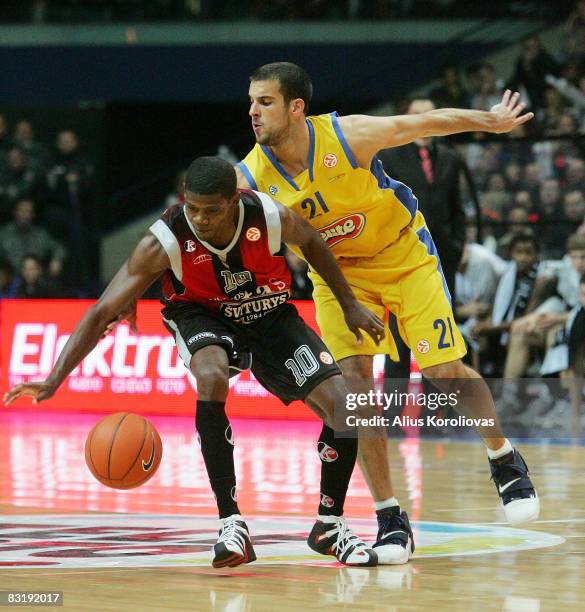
{"x": 39, "y": 391}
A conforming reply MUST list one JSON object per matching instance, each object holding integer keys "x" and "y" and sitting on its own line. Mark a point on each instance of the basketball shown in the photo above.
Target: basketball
{"x": 123, "y": 450}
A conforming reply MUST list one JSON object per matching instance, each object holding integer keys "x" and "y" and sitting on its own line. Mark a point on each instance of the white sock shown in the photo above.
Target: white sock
{"x": 386, "y": 503}
{"x": 500, "y": 452}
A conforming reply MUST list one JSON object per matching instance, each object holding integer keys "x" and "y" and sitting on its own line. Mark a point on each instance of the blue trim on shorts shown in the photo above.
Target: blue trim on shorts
{"x": 425, "y": 237}
{"x": 242, "y": 166}
{"x": 401, "y": 191}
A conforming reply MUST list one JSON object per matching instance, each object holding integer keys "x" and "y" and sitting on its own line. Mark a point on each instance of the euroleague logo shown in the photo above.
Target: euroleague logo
{"x": 330, "y": 160}
{"x": 190, "y": 246}
{"x": 422, "y": 346}
{"x": 325, "y": 358}
{"x": 253, "y": 234}
{"x": 327, "y": 453}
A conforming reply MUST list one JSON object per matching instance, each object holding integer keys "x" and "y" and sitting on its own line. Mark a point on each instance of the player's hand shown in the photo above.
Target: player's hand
{"x": 128, "y": 314}
{"x": 39, "y": 391}
{"x": 508, "y": 113}
{"x": 359, "y": 317}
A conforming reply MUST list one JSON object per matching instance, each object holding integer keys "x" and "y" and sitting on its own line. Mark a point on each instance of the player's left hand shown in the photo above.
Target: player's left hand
{"x": 508, "y": 113}
{"x": 359, "y": 317}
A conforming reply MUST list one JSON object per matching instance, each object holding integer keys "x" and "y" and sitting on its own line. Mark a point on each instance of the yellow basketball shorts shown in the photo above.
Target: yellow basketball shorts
{"x": 405, "y": 278}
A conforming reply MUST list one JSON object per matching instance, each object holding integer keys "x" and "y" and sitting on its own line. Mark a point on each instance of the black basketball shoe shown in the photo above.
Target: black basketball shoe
{"x": 234, "y": 546}
{"x": 395, "y": 542}
{"x": 518, "y": 495}
{"x": 331, "y": 536}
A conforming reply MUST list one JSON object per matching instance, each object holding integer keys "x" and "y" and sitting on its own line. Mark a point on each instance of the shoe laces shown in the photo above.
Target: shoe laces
{"x": 230, "y": 529}
{"x": 392, "y": 522}
{"x": 346, "y": 538}
{"x": 503, "y": 469}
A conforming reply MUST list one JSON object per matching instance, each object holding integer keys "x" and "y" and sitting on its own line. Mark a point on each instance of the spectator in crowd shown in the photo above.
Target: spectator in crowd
{"x": 9, "y": 282}
{"x": 476, "y": 282}
{"x": 36, "y": 152}
{"x": 22, "y": 237}
{"x": 539, "y": 328}
{"x": 575, "y": 174}
{"x": 513, "y": 175}
{"x": 532, "y": 177}
{"x": 550, "y": 214}
{"x": 575, "y": 32}
{"x": 490, "y": 91}
{"x": 69, "y": 212}
{"x": 302, "y": 288}
{"x": 16, "y": 182}
{"x": 533, "y": 65}
{"x": 515, "y": 298}
{"x": 573, "y": 213}
{"x": 517, "y": 222}
{"x": 177, "y": 196}
{"x": 451, "y": 93}
{"x": 35, "y": 283}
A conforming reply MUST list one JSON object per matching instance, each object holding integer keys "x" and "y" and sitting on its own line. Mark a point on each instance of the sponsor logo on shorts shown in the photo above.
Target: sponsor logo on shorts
{"x": 229, "y": 436}
{"x": 325, "y": 358}
{"x": 200, "y": 336}
{"x": 344, "y": 228}
{"x": 253, "y": 234}
{"x": 422, "y": 346}
{"x": 190, "y": 246}
{"x": 202, "y": 259}
{"x": 252, "y": 309}
{"x": 273, "y": 189}
{"x": 330, "y": 160}
{"x": 327, "y": 453}
{"x": 327, "y": 501}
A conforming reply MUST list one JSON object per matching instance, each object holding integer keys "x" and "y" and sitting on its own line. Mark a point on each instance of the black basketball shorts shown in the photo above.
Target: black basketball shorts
{"x": 288, "y": 357}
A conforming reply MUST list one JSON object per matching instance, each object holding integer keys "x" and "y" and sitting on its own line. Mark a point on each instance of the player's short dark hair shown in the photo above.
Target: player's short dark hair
{"x": 525, "y": 236}
{"x": 294, "y": 81}
{"x": 211, "y": 175}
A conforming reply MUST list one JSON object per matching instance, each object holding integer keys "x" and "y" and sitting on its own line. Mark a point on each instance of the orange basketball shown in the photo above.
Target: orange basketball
{"x": 123, "y": 450}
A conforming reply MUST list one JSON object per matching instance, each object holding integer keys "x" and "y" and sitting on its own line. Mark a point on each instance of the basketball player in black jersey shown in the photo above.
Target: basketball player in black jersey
{"x": 226, "y": 287}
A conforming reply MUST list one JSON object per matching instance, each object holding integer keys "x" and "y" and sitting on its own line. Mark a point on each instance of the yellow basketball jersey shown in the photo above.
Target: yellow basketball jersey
{"x": 358, "y": 212}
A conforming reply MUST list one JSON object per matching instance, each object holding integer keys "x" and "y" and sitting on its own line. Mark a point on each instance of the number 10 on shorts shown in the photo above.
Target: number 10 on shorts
{"x": 303, "y": 365}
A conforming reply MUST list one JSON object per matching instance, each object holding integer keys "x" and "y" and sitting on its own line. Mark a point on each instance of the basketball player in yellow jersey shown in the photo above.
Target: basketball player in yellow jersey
{"x": 324, "y": 168}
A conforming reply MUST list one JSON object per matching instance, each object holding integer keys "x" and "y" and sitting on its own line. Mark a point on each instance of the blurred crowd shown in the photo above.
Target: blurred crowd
{"x": 46, "y": 228}
{"x": 40, "y": 11}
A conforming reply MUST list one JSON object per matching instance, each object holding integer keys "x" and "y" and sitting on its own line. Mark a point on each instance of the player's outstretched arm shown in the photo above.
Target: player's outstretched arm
{"x": 298, "y": 232}
{"x": 132, "y": 279}
{"x": 366, "y": 135}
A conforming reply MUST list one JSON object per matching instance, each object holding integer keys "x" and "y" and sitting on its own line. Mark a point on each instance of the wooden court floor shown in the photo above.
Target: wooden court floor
{"x": 148, "y": 549}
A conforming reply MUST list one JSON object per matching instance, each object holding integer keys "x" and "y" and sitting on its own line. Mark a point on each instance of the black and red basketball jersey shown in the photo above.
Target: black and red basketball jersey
{"x": 244, "y": 281}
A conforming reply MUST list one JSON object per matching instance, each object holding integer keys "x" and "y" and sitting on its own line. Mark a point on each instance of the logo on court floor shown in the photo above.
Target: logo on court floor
{"x": 422, "y": 346}
{"x": 134, "y": 540}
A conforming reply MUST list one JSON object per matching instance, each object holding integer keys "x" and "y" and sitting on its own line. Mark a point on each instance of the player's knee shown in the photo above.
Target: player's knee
{"x": 212, "y": 380}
